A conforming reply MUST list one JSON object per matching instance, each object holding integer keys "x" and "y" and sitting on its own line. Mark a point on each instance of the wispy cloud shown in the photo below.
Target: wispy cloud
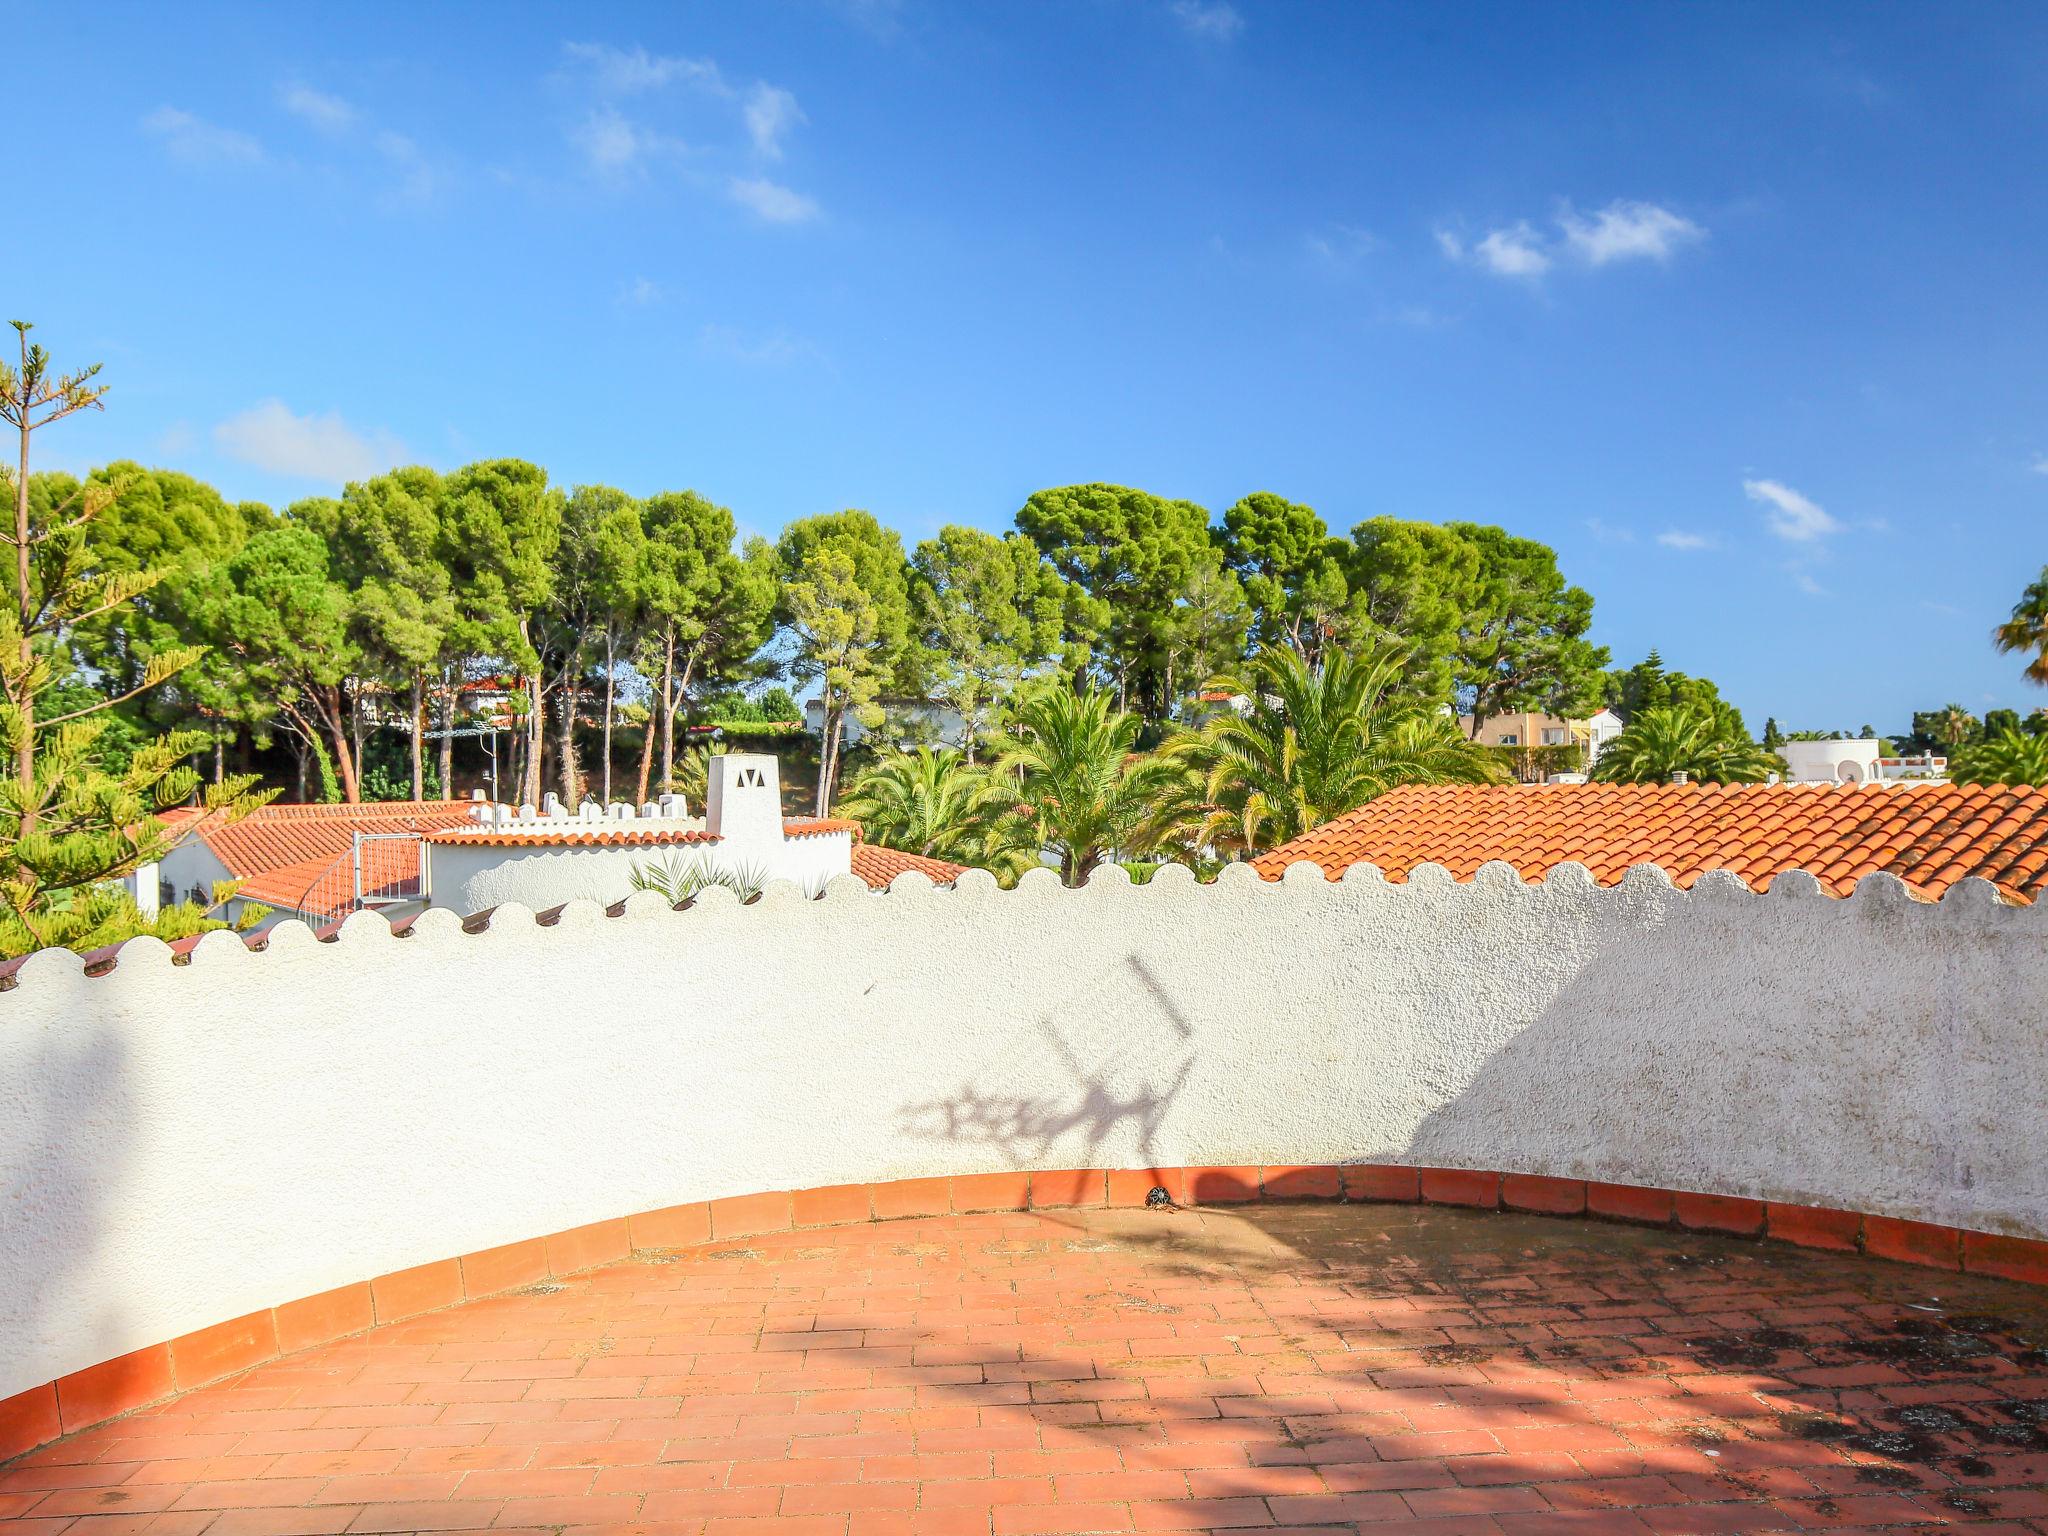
{"x": 272, "y": 437}
{"x": 615, "y": 149}
{"x": 330, "y": 114}
{"x": 1807, "y": 584}
{"x": 1342, "y": 245}
{"x": 1609, "y": 533}
{"x": 1622, "y": 231}
{"x": 773, "y": 350}
{"x": 1214, "y": 20}
{"x": 2040, "y": 464}
{"x": 641, "y": 292}
{"x": 1678, "y": 538}
{"x": 195, "y": 141}
{"x": 1792, "y": 516}
{"x": 630, "y": 71}
{"x": 1626, "y": 231}
{"x": 770, "y": 113}
{"x": 413, "y": 178}
{"x": 770, "y": 200}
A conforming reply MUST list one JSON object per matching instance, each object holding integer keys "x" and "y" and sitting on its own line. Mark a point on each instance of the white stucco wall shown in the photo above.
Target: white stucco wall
{"x": 181, "y": 1145}
{"x": 474, "y": 877}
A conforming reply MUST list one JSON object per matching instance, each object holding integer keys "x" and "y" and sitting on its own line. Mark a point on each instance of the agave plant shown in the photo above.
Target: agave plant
{"x": 2011, "y": 757}
{"x": 678, "y": 878}
{"x": 1310, "y": 743}
{"x": 1659, "y": 743}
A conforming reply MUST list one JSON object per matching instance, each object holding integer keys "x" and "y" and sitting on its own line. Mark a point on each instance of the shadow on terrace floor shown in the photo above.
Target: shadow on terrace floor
{"x": 1110, "y": 1370}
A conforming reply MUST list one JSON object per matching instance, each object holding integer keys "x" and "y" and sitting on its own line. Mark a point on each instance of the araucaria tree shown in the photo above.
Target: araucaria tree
{"x": 69, "y": 829}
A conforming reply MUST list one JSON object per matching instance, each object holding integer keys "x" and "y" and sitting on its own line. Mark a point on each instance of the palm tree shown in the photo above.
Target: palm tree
{"x": 1312, "y": 742}
{"x": 1078, "y": 781}
{"x": 2011, "y": 757}
{"x": 1680, "y": 738}
{"x": 2027, "y": 629}
{"x": 940, "y": 805}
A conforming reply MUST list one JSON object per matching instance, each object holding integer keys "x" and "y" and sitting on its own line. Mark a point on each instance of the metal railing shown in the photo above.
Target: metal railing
{"x": 379, "y": 868}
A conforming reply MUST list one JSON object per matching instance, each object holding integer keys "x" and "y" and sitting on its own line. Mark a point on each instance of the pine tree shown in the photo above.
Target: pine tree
{"x": 69, "y": 827}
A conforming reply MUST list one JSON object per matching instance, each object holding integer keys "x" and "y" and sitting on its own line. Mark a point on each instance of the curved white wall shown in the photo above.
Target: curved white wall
{"x": 182, "y": 1145}
{"x": 474, "y": 876}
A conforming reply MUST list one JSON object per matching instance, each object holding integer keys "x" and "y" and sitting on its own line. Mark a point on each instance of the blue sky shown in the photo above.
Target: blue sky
{"x": 1742, "y": 308}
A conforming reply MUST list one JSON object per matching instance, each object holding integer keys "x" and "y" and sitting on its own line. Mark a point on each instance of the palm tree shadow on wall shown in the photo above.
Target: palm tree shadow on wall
{"x": 66, "y": 1139}
{"x": 1119, "y": 1099}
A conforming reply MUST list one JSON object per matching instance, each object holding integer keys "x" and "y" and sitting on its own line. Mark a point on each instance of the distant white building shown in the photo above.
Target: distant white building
{"x": 1855, "y": 760}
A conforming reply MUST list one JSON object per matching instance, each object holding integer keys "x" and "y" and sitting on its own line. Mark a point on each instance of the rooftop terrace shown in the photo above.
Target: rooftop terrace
{"x": 1383, "y": 1366}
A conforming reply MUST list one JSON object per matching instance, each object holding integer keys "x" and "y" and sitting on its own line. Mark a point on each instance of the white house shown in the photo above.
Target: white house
{"x": 1855, "y": 760}
{"x": 543, "y": 857}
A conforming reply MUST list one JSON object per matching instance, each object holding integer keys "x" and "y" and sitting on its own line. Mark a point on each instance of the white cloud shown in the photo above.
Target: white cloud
{"x": 1678, "y": 538}
{"x": 770, "y": 200}
{"x": 310, "y": 447}
{"x": 1808, "y": 585}
{"x": 198, "y": 142}
{"x": 1792, "y": 516}
{"x": 1626, "y": 231}
{"x": 330, "y": 114}
{"x": 771, "y": 112}
{"x": 614, "y": 148}
{"x": 1215, "y": 20}
{"x": 1514, "y": 250}
{"x": 629, "y": 71}
{"x": 1608, "y": 533}
{"x": 2040, "y": 464}
{"x": 176, "y": 440}
{"x": 641, "y": 292}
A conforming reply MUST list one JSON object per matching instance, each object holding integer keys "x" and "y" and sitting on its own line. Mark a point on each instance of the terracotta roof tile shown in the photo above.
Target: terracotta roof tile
{"x": 279, "y": 852}
{"x": 1929, "y": 835}
{"x": 878, "y": 865}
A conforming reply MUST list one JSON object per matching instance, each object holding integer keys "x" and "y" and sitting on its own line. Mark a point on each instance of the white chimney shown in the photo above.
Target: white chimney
{"x": 743, "y": 800}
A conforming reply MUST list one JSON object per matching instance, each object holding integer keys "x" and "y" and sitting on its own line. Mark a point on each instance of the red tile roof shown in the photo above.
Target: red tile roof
{"x": 619, "y": 833}
{"x": 279, "y": 852}
{"x": 878, "y": 866}
{"x": 1929, "y": 835}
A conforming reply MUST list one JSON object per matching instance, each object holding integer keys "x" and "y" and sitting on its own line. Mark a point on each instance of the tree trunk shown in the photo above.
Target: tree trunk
{"x": 646, "y": 752}
{"x": 330, "y": 706}
{"x": 667, "y": 711}
{"x": 357, "y": 697}
{"x": 448, "y": 741}
{"x": 419, "y": 734}
{"x": 24, "y": 605}
{"x": 301, "y": 752}
{"x": 219, "y": 761}
{"x": 536, "y": 738}
{"x": 610, "y": 695}
{"x": 565, "y": 749}
{"x": 828, "y": 752}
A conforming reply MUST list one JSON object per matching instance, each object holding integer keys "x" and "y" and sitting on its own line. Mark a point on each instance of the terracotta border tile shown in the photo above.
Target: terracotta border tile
{"x": 992, "y": 1192}
{"x": 1546, "y": 1196}
{"x": 423, "y": 1288}
{"x": 1461, "y": 1186}
{"x": 1812, "y": 1226}
{"x": 673, "y": 1226}
{"x": 207, "y": 1354}
{"x": 29, "y": 1419}
{"x": 833, "y": 1205}
{"x": 1311, "y": 1182}
{"x": 1221, "y": 1186}
{"x": 113, "y": 1387}
{"x": 1065, "y": 1187}
{"x": 750, "y": 1215}
{"x": 1913, "y": 1242}
{"x": 2010, "y": 1258}
{"x": 913, "y": 1197}
{"x": 491, "y": 1270}
{"x": 319, "y": 1319}
{"x": 586, "y": 1247}
{"x": 1630, "y": 1202}
{"x": 1731, "y": 1214}
{"x": 1382, "y": 1182}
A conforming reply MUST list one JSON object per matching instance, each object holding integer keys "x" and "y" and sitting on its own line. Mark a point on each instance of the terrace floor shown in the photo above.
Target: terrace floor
{"x": 1419, "y": 1368}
